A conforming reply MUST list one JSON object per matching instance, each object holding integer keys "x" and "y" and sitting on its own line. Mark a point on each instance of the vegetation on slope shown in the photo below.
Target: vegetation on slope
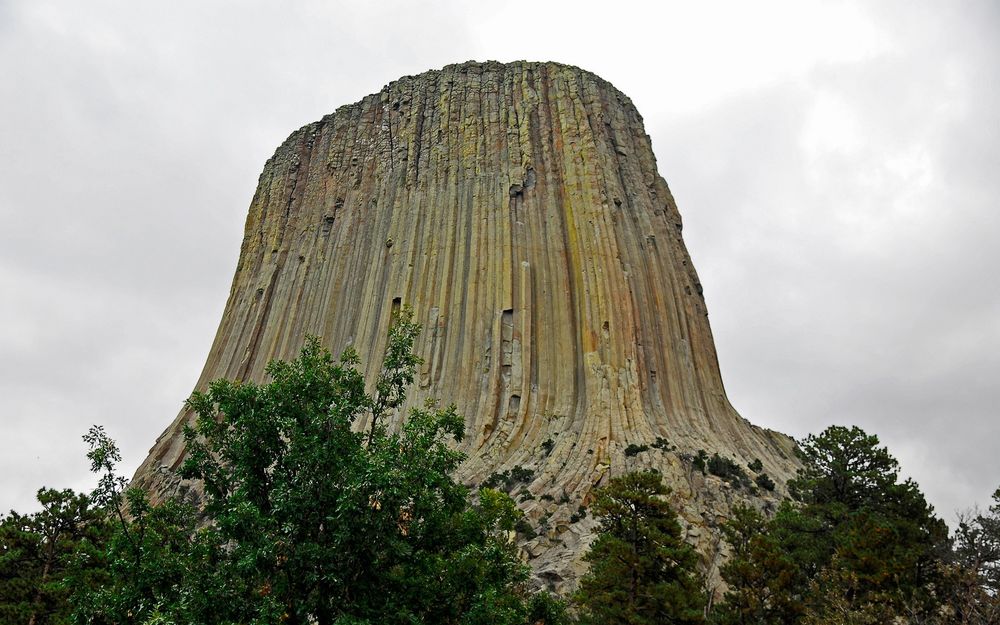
{"x": 308, "y": 518}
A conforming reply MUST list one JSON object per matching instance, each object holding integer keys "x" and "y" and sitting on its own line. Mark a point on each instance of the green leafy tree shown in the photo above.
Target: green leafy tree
{"x": 310, "y": 518}
{"x": 155, "y": 556}
{"x": 642, "y": 572}
{"x": 38, "y": 551}
{"x": 328, "y": 524}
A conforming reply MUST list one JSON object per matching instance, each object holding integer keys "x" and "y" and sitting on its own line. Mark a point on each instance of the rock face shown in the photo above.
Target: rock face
{"x": 518, "y": 209}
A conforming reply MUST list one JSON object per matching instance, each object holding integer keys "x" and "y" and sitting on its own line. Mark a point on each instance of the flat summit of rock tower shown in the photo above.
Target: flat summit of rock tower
{"x": 518, "y": 209}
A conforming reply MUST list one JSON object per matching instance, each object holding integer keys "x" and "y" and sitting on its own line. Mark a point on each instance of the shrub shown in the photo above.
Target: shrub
{"x": 662, "y": 444}
{"x": 700, "y": 461}
{"x": 764, "y": 482}
{"x": 509, "y": 478}
{"x": 634, "y": 450}
{"x": 524, "y": 528}
{"x": 728, "y": 470}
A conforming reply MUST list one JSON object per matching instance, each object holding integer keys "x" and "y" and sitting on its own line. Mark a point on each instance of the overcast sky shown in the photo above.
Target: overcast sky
{"x": 837, "y": 166}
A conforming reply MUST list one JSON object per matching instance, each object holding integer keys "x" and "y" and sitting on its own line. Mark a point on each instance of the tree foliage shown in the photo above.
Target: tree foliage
{"x": 860, "y": 543}
{"x": 642, "y": 572}
{"x": 313, "y": 519}
{"x": 762, "y": 577}
{"x": 156, "y": 561}
{"x": 40, "y": 551}
{"x": 845, "y": 468}
{"x": 315, "y": 510}
{"x": 879, "y": 529}
{"x": 974, "y": 572}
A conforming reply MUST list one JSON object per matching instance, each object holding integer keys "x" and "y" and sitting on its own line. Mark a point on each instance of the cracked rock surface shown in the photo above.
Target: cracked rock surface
{"x": 518, "y": 209}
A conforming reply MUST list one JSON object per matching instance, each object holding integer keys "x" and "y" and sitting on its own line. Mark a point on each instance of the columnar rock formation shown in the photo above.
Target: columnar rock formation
{"x": 518, "y": 209}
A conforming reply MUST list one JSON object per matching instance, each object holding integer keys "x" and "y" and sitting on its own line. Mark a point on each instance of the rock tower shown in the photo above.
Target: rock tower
{"x": 518, "y": 209}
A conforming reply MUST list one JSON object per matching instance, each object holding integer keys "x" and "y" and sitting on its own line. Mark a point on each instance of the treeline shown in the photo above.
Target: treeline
{"x": 307, "y": 518}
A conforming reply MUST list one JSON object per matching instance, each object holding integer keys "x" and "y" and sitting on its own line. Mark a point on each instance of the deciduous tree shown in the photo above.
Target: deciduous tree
{"x": 309, "y": 518}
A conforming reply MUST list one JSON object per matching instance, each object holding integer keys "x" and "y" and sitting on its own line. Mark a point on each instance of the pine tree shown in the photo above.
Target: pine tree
{"x": 974, "y": 572}
{"x": 642, "y": 572}
{"x": 762, "y": 578}
{"x": 878, "y": 531}
{"x": 37, "y": 551}
{"x": 859, "y": 545}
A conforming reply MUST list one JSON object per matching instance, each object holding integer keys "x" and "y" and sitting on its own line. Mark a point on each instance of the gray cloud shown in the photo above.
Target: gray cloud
{"x": 835, "y": 164}
{"x": 849, "y": 267}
